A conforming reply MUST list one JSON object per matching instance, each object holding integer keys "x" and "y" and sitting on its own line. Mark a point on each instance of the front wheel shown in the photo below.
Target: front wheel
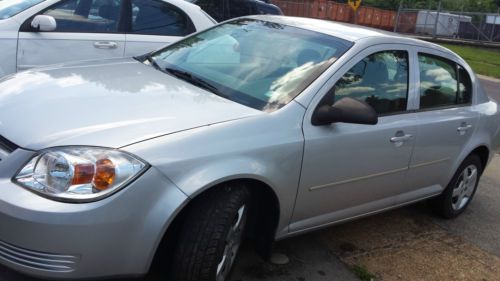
{"x": 461, "y": 189}
{"x": 211, "y": 235}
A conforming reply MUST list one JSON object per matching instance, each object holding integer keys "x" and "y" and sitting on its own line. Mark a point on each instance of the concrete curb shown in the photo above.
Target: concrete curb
{"x": 488, "y": 78}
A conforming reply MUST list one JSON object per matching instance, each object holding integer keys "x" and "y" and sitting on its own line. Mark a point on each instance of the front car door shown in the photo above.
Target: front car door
{"x": 446, "y": 120}
{"x": 348, "y": 169}
{"x": 154, "y": 24}
{"x": 86, "y": 29}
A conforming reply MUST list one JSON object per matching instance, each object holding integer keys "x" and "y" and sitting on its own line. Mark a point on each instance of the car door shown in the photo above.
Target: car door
{"x": 154, "y": 24}
{"x": 349, "y": 169}
{"x": 446, "y": 121}
{"x": 86, "y": 29}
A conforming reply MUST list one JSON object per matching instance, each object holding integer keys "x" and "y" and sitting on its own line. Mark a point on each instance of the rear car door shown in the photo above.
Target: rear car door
{"x": 446, "y": 121}
{"x": 86, "y": 29}
{"x": 350, "y": 169}
{"x": 154, "y": 24}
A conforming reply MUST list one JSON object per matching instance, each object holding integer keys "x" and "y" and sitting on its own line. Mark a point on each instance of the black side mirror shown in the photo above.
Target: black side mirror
{"x": 346, "y": 110}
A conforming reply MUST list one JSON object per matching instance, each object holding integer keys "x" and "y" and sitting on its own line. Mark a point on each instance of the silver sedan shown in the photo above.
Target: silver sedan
{"x": 261, "y": 127}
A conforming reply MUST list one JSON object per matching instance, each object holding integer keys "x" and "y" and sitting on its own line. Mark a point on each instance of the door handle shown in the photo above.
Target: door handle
{"x": 400, "y": 138}
{"x": 464, "y": 128}
{"x": 105, "y": 45}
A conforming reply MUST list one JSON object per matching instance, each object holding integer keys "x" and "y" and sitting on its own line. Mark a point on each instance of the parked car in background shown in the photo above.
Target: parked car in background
{"x": 222, "y": 10}
{"x": 41, "y": 32}
{"x": 263, "y": 126}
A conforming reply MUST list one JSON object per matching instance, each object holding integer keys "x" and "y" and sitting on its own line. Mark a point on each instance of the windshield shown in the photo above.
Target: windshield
{"x": 259, "y": 64}
{"x": 9, "y": 8}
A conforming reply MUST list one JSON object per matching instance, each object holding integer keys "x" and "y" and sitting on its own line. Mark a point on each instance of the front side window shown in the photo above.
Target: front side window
{"x": 443, "y": 83}
{"x": 10, "y": 8}
{"x": 88, "y": 16}
{"x": 381, "y": 80}
{"x": 259, "y": 64}
{"x": 153, "y": 17}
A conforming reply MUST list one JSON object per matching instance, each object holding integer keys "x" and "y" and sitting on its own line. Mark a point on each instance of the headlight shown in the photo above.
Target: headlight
{"x": 79, "y": 174}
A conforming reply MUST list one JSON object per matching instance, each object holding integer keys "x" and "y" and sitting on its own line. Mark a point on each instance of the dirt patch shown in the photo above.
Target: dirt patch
{"x": 406, "y": 245}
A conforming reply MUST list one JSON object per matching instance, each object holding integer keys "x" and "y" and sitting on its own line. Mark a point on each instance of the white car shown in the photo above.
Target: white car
{"x": 41, "y": 32}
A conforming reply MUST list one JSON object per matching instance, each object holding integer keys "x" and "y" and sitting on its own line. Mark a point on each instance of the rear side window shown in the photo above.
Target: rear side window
{"x": 87, "y": 16}
{"x": 443, "y": 83}
{"x": 380, "y": 79}
{"x": 152, "y": 17}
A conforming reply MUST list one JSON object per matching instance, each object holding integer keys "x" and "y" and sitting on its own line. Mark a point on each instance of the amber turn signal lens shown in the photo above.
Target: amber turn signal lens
{"x": 83, "y": 174}
{"x": 104, "y": 174}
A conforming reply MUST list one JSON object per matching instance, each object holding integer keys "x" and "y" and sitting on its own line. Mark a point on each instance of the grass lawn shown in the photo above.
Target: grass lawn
{"x": 483, "y": 61}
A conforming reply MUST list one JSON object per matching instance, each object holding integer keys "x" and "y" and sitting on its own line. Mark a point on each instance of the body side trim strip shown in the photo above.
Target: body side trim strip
{"x": 378, "y": 174}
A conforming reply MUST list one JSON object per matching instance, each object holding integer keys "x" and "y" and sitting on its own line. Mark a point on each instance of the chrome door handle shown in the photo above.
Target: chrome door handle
{"x": 464, "y": 128}
{"x": 105, "y": 45}
{"x": 401, "y": 138}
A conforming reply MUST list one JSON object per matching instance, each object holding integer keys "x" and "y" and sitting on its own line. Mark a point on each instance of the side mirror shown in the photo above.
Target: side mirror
{"x": 44, "y": 23}
{"x": 346, "y": 110}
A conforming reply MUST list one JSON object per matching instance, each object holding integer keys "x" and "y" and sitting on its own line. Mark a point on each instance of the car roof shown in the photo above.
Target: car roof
{"x": 346, "y": 31}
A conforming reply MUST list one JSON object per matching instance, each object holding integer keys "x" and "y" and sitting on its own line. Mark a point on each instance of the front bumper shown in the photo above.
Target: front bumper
{"x": 117, "y": 236}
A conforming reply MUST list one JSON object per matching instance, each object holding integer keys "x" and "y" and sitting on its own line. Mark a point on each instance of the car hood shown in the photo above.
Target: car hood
{"x": 109, "y": 103}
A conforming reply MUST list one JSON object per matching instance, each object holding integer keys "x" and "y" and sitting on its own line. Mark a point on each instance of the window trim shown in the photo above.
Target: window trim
{"x": 401, "y": 112}
{"x": 442, "y": 107}
{"x": 26, "y": 26}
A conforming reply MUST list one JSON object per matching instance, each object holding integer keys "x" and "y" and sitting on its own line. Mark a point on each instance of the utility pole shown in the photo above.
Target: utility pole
{"x": 398, "y": 15}
{"x": 434, "y": 35}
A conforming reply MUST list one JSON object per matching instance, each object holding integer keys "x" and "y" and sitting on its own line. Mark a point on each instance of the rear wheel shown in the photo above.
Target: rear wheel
{"x": 211, "y": 235}
{"x": 461, "y": 189}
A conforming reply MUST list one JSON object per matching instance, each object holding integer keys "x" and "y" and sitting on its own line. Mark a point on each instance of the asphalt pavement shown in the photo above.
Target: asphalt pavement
{"x": 491, "y": 86}
{"x": 313, "y": 259}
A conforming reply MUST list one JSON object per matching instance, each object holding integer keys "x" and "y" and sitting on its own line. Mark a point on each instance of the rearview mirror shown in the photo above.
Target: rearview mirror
{"x": 346, "y": 110}
{"x": 44, "y": 23}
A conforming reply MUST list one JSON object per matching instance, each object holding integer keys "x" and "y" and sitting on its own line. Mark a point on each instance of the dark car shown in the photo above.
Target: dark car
{"x": 222, "y": 10}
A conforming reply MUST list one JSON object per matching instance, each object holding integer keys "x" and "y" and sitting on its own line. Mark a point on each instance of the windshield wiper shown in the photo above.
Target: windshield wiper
{"x": 153, "y": 62}
{"x": 186, "y": 76}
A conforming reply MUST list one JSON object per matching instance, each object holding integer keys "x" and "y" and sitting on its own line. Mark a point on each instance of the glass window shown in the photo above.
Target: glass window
{"x": 159, "y": 18}
{"x": 381, "y": 80}
{"x": 88, "y": 16}
{"x": 10, "y": 8}
{"x": 215, "y": 8}
{"x": 239, "y": 8}
{"x": 442, "y": 83}
{"x": 438, "y": 82}
{"x": 259, "y": 64}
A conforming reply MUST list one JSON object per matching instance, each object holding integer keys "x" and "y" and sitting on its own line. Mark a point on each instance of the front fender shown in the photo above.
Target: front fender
{"x": 267, "y": 148}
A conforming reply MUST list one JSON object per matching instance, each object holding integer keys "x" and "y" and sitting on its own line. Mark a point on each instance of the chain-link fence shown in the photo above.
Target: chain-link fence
{"x": 449, "y": 24}
{"x": 331, "y": 10}
{"x": 433, "y": 21}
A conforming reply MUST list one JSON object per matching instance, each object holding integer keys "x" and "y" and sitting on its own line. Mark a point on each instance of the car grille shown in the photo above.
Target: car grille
{"x": 37, "y": 260}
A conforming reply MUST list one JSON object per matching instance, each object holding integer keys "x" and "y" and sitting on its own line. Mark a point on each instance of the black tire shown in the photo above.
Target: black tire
{"x": 204, "y": 233}
{"x": 450, "y": 205}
